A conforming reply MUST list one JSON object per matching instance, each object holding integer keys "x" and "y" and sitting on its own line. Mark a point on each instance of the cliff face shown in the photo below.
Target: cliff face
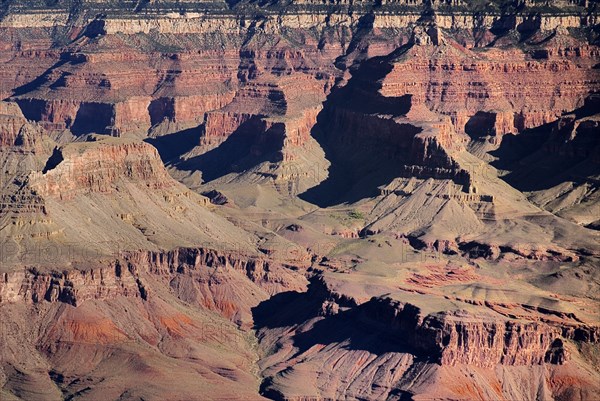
{"x": 229, "y": 72}
{"x": 72, "y": 169}
{"x": 396, "y": 348}
{"x": 158, "y": 308}
{"x": 460, "y": 338}
{"x": 190, "y": 63}
{"x": 175, "y": 87}
{"x": 475, "y": 86}
{"x": 560, "y": 163}
{"x": 360, "y": 239}
{"x": 208, "y": 278}
{"x": 119, "y": 318}
{"x": 402, "y": 333}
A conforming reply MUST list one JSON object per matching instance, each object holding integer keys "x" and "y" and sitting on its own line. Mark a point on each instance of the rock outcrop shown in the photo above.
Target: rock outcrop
{"x": 397, "y": 349}
{"x": 208, "y": 278}
{"x": 74, "y": 169}
{"x": 302, "y": 201}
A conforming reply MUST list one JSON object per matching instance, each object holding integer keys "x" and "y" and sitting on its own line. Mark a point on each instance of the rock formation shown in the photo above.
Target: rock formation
{"x": 299, "y": 200}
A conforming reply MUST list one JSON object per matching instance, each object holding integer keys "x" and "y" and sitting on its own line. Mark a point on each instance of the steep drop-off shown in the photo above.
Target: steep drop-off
{"x": 299, "y": 201}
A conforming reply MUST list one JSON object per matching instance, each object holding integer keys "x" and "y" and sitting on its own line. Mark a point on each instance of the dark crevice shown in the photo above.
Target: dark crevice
{"x": 53, "y": 161}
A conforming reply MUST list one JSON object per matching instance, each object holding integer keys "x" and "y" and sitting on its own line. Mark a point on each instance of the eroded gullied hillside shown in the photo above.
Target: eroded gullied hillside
{"x": 219, "y": 200}
{"x": 114, "y": 275}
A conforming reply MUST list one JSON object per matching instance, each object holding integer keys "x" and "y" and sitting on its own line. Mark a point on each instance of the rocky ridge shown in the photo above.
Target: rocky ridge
{"x": 366, "y": 147}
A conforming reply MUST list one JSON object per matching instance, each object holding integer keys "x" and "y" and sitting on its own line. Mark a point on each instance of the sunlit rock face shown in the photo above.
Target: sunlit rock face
{"x": 307, "y": 200}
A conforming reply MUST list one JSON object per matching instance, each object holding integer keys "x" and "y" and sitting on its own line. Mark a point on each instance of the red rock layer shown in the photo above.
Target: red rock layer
{"x": 517, "y": 91}
{"x": 216, "y": 280}
{"x": 286, "y": 107}
{"x": 78, "y": 168}
{"x": 143, "y": 84}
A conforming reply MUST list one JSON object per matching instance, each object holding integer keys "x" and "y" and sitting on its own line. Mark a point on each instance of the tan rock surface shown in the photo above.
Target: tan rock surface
{"x": 303, "y": 201}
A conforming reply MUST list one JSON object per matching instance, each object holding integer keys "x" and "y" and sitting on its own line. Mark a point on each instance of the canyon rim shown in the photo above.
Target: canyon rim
{"x": 300, "y": 200}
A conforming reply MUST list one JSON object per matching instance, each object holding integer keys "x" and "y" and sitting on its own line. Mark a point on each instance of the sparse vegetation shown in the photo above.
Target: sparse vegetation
{"x": 355, "y": 214}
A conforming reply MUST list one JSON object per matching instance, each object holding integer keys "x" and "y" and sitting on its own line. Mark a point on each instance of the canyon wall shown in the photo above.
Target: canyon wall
{"x": 190, "y": 63}
{"x": 333, "y": 141}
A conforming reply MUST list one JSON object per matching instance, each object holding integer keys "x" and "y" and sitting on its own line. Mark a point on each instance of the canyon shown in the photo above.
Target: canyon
{"x": 217, "y": 200}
